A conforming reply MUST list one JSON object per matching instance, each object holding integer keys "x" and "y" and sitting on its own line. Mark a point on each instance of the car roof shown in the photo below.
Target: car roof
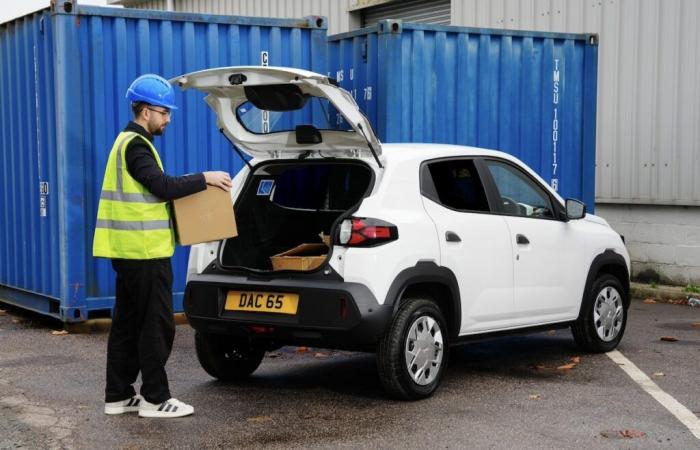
{"x": 404, "y": 151}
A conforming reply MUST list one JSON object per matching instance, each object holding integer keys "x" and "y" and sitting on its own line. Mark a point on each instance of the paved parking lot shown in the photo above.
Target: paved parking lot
{"x": 533, "y": 391}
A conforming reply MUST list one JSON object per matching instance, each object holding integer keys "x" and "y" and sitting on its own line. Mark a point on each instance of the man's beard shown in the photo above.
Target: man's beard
{"x": 158, "y": 131}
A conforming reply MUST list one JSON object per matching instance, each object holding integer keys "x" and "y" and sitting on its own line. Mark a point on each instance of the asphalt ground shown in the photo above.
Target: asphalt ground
{"x": 536, "y": 391}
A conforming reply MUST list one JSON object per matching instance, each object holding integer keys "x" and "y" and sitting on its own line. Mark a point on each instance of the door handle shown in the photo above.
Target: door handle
{"x": 451, "y": 236}
{"x": 521, "y": 239}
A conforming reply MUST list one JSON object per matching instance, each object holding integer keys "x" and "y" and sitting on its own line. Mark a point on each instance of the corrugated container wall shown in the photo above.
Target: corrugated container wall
{"x": 649, "y": 87}
{"x": 532, "y": 95}
{"x": 63, "y": 76}
{"x": 29, "y": 235}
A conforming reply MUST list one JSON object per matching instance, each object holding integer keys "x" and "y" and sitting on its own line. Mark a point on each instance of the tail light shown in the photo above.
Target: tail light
{"x": 356, "y": 232}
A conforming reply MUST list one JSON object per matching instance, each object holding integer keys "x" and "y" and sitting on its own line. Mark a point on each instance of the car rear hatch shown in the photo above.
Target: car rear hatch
{"x": 317, "y": 158}
{"x": 279, "y": 112}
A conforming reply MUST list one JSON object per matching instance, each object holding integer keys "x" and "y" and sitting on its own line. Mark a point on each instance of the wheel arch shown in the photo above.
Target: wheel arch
{"x": 427, "y": 279}
{"x": 612, "y": 263}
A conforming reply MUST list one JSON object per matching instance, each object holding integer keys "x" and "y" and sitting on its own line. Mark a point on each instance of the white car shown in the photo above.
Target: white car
{"x": 430, "y": 245}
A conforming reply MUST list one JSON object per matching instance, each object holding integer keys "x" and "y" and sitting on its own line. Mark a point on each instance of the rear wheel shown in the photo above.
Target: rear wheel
{"x": 225, "y": 358}
{"x": 413, "y": 353}
{"x": 603, "y": 316}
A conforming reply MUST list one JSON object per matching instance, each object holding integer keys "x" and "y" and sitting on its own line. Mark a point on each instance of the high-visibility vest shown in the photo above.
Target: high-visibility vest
{"x": 132, "y": 223}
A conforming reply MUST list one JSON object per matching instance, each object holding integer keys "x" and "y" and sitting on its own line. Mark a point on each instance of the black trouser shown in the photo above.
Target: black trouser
{"x": 143, "y": 330}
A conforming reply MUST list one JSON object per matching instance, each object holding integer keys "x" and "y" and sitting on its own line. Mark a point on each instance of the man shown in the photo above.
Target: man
{"x": 134, "y": 230}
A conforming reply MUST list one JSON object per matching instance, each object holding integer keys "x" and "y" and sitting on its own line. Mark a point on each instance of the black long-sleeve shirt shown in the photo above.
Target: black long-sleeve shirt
{"x": 142, "y": 166}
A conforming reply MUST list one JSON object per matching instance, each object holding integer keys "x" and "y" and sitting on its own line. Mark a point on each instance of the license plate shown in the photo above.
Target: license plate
{"x": 275, "y": 302}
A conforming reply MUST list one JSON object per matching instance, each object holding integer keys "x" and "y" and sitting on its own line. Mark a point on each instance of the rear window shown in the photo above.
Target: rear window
{"x": 457, "y": 185}
{"x": 314, "y": 186}
{"x": 317, "y": 111}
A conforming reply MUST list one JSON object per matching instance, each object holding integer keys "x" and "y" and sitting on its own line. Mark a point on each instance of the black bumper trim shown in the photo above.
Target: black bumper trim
{"x": 320, "y": 320}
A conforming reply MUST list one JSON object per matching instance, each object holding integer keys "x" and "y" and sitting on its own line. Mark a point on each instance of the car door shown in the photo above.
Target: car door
{"x": 474, "y": 243}
{"x": 548, "y": 250}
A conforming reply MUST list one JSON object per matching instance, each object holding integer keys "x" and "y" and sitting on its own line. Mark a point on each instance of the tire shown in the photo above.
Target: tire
{"x": 227, "y": 359}
{"x": 603, "y": 317}
{"x": 396, "y": 362}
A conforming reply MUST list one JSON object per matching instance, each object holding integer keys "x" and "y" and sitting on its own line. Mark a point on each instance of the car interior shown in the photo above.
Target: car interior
{"x": 283, "y": 205}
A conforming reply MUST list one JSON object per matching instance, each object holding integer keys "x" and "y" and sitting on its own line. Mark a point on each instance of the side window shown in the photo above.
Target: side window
{"x": 457, "y": 185}
{"x": 520, "y": 195}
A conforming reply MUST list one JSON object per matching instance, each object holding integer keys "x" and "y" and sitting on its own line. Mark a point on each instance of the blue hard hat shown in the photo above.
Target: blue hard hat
{"x": 152, "y": 89}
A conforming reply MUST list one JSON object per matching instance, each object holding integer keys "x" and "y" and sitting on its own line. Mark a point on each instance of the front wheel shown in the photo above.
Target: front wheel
{"x": 603, "y": 316}
{"x": 225, "y": 358}
{"x": 413, "y": 353}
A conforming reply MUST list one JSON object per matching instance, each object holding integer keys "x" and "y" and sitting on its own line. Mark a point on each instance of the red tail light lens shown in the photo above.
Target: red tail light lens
{"x": 357, "y": 232}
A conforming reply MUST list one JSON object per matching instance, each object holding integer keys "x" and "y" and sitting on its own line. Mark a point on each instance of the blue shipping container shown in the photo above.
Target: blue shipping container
{"x": 64, "y": 72}
{"x": 532, "y": 95}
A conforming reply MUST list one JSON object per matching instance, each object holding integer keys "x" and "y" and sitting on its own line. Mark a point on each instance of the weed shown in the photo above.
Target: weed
{"x": 692, "y": 289}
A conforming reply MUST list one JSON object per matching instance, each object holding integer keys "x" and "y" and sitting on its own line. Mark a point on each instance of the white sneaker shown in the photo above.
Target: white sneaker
{"x": 169, "y": 408}
{"x": 124, "y": 406}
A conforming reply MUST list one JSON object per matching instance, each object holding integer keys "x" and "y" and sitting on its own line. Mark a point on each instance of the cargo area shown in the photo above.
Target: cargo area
{"x": 287, "y": 210}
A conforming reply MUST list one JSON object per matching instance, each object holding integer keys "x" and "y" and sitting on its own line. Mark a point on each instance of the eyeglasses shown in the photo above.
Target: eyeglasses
{"x": 165, "y": 113}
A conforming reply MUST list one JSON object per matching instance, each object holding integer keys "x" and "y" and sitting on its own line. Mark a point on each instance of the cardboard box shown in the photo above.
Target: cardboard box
{"x": 301, "y": 257}
{"x": 205, "y": 216}
{"x": 326, "y": 239}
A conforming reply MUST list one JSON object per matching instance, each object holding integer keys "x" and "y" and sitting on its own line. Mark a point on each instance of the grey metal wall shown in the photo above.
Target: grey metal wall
{"x": 419, "y": 11}
{"x": 648, "y": 87}
{"x": 152, "y": 4}
{"x": 335, "y": 10}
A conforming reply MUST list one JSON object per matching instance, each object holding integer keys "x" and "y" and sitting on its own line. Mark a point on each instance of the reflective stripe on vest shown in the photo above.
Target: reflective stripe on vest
{"x": 131, "y": 222}
{"x": 133, "y": 225}
{"x": 128, "y": 197}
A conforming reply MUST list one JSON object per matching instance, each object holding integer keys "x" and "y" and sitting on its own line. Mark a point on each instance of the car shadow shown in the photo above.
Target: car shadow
{"x": 354, "y": 375}
{"x": 537, "y": 356}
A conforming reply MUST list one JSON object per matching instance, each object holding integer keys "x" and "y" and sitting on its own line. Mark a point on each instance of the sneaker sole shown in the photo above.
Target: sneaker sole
{"x": 164, "y": 415}
{"x": 115, "y": 410}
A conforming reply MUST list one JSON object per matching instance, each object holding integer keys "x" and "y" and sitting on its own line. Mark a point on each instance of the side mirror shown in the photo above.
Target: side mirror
{"x": 575, "y": 209}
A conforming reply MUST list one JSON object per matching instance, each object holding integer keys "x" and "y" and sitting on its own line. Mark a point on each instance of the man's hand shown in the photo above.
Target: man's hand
{"x": 219, "y": 179}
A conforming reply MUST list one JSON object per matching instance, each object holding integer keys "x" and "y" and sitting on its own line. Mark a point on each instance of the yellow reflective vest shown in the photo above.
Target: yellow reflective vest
{"x": 132, "y": 223}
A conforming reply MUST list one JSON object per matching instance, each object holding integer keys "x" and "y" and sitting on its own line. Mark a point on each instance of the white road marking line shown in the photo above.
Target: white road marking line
{"x": 683, "y": 414}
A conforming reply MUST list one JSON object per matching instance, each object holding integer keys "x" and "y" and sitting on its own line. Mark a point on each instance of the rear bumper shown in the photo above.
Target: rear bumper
{"x": 320, "y": 321}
